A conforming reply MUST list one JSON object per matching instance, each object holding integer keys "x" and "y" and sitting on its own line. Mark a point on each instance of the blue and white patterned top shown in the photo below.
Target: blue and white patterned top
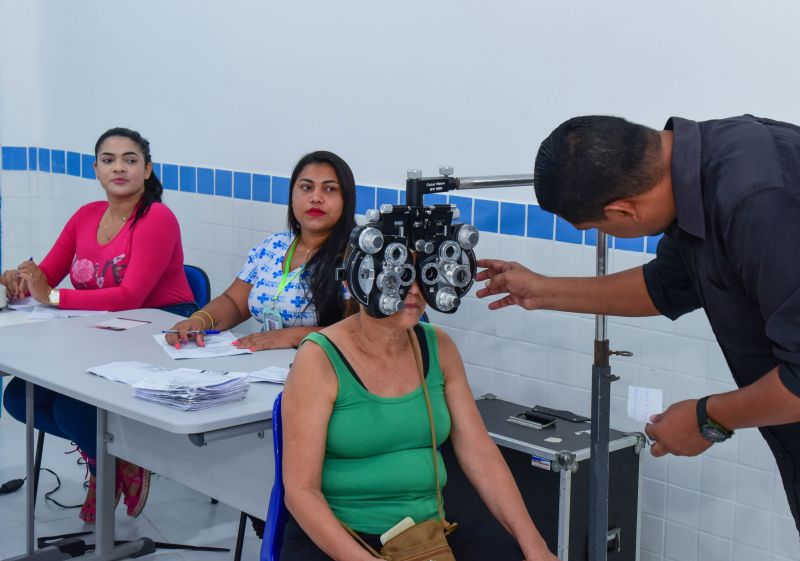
{"x": 263, "y": 269}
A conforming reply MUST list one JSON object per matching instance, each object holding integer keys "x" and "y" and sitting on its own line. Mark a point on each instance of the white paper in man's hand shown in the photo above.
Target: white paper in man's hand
{"x": 643, "y": 403}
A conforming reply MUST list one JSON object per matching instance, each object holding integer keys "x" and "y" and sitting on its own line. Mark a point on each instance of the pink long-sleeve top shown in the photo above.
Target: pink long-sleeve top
{"x": 142, "y": 267}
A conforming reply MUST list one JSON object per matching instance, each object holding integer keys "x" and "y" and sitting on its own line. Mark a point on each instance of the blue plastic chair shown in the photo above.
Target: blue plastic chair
{"x": 199, "y": 283}
{"x": 277, "y": 515}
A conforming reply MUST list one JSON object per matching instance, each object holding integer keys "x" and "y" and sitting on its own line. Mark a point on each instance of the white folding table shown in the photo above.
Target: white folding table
{"x": 225, "y": 455}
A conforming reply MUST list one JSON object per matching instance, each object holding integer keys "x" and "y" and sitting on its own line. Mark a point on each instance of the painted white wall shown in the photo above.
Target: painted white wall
{"x": 247, "y": 85}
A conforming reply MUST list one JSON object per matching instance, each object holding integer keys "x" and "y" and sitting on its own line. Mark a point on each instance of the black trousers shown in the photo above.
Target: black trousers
{"x": 469, "y": 542}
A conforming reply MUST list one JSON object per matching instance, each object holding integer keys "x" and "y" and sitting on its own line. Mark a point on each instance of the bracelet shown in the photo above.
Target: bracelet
{"x": 204, "y": 321}
{"x": 194, "y": 315}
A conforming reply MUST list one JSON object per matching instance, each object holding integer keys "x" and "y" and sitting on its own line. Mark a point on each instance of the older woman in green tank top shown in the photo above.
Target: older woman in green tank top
{"x": 357, "y": 442}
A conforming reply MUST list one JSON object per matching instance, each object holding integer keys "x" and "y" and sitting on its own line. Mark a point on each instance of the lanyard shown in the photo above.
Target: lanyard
{"x": 287, "y": 262}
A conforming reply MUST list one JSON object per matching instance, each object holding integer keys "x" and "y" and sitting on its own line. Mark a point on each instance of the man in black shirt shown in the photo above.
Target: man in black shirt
{"x": 726, "y": 195}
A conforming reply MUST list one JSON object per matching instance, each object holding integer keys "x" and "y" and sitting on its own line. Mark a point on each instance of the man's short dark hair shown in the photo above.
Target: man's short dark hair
{"x": 588, "y": 162}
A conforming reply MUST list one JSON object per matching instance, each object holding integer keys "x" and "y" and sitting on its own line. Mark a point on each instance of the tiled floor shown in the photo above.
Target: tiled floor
{"x": 173, "y": 513}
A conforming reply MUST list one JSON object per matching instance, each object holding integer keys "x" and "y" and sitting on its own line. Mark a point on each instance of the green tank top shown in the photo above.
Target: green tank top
{"x": 378, "y": 465}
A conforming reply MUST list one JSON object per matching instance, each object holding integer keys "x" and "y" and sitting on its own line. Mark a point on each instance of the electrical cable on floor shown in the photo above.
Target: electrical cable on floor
{"x": 15, "y": 484}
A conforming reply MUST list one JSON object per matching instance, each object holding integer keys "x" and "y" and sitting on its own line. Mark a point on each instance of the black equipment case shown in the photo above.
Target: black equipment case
{"x": 551, "y": 467}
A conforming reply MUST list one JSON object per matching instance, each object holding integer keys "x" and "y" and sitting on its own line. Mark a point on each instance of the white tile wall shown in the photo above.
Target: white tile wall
{"x": 726, "y": 505}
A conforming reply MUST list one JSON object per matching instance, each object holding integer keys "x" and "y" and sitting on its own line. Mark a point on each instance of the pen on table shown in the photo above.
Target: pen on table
{"x": 194, "y": 331}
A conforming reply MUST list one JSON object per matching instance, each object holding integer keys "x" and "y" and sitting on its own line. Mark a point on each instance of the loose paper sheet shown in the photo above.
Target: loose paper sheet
{"x": 644, "y": 403}
{"x": 46, "y": 312}
{"x": 25, "y": 305}
{"x": 273, "y": 374}
{"x": 216, "y": 345}
{"x": 128, "y": 372}
{"x": 121, "y": 324}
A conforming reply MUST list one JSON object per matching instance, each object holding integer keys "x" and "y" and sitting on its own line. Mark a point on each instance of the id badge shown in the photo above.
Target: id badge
{"x": 272, "y": 320}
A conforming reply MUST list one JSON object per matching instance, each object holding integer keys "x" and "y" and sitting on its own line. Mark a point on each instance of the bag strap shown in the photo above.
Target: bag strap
{"x": 445, "y": 524}
{"x": 360, "y": 540}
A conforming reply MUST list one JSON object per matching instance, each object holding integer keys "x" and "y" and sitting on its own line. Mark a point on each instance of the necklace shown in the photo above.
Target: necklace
{"x": 109, "y": 232}
{"x": 309, "y": 250}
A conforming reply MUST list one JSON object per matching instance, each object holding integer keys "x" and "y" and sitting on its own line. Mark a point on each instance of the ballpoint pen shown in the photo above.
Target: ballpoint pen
{"x": 194, "y": 331}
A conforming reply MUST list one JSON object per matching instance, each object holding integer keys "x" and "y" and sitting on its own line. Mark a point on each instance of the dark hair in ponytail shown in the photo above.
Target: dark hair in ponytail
{"x": 325, "y": 291}
{"x": 152, "y": 185}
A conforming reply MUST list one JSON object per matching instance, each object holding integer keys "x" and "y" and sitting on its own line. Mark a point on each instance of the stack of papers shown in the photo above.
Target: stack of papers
{"x": 192, "y": 390}
{"x": 185, "y": 388}
{"x": 215, "y": 345}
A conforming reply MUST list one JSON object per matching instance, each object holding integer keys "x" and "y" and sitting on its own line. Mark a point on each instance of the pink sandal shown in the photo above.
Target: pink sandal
{"x": 135, "y": 483}
{"x": 88, "y": 512}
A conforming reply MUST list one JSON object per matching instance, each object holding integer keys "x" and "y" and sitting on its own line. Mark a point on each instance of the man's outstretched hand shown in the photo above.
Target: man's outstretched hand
{"x": 521, "y": 286}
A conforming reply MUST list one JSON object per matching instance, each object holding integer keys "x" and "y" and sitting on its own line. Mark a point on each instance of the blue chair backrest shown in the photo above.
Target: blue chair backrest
{"x": 199, "y": 283}
{"x": 277, "y": 515}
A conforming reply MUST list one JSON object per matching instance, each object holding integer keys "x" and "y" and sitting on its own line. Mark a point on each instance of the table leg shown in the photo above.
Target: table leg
{"x": 29, "y": 496}
{"x": 106, "y": 477}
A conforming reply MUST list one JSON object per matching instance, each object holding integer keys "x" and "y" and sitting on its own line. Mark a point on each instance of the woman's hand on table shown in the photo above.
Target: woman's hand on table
{"x": 183, "y": 336}
{"x": 14, "y": 283}
{"x": 276, "y": 339}
{"x": 36, "y": 280}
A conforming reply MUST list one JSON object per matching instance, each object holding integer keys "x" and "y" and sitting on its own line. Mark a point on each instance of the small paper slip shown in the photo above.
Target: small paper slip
{"x": 121, "y": 324}
{"x": 128, "y": 372}
{"x": 216, "y": 345}
{"x": 24, "y": 305}
{"x": 644, "y": 403}
{"x": 273, "y": 374}
{"x": 46, "y": 312}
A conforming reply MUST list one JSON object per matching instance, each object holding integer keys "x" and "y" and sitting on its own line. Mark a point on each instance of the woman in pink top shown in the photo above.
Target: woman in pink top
{"x": 120, "y": 254}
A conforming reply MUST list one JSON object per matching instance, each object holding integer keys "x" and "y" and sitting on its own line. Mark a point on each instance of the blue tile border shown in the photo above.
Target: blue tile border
{"x": 205, "y": 181}
{"x": 652, "y": 243}
{"x": 503, "y": 217}
{"x": 187, "y": 178}
{"x": 512, "y": 219}
{"x": 223, "y": 183}
{"x": 541, "y": 224}
{"x": 630, "y": 244}
{"x": 434, "y": 199}
{"x": 58, "y": 161}
{"x": 566, "y": 232}
{"x": 464, "y": 205}
{"x": 87, "y": 166}
{"x": 44, "y": 159}
{"x": 15, "y": 158}
{"x": 261, "y": 187}
{"x": 365, "y": 198}
{"x": 385, "y": 197}
{"x": 169, "y": 176}
{"x": 486, "y": 215}
{"x": 241, "y": 185}
{"x": 73, "y": 164}
{"x": 280, "y": 190}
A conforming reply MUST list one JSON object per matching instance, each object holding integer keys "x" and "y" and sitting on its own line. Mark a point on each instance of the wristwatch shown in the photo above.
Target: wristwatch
{"x": 53, "y": 297}
{"x": 709, "y": 428}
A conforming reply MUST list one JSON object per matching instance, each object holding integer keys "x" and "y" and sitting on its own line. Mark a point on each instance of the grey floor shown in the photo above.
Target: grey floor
{"x": 173, "y": 513}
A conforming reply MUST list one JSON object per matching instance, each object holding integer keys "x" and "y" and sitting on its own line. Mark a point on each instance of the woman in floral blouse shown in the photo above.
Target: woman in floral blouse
{"x": 288, "y": 281}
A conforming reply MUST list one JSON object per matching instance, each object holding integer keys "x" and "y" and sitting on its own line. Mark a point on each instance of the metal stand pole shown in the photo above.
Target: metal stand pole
{"x": 601, "y": 405}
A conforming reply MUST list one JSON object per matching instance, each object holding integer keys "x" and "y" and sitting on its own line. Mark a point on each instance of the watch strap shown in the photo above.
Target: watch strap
{"x": 704, "y": 420}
